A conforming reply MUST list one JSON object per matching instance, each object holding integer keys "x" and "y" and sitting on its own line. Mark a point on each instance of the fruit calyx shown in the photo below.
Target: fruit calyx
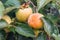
{"x": 25, "y": 5}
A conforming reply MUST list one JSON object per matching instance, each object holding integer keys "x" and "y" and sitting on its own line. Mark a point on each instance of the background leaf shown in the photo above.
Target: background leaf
{"x": 15, "y": 3}
{"x": 3, "y": 1}
{"x": 56, "y": 37}
{"x": 1, "y": 9}
{"x": 49, "y": 27}
{"x": 42, "y": 3}
{"x": 42, "y": 36}
{"x": 8, "y": 9}
{"x": 2, "y": 35}
{"x": 25, "y": 30}
{"x": 3, "y": 24}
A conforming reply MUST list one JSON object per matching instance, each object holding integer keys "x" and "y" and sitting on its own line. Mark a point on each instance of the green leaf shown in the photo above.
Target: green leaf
{"x": 42, "y": 3}
{"x": 3, "y": 1}
{"x": 52, "y": 18}
{"x": 1, "y": 9}
{"x": 56, "y": 37}
{"x": 57, "y": 2}
{"x": 24, "y": 30}
{"x": 42, "y": 36}
{"x": 49, "y": 27}
{"x": 15, "y": 3}
{"x": 12, "y": 29}
{"x": 3, "y": 24}
{"x": 8, "y": 9}
{"x": 55, "y": 30}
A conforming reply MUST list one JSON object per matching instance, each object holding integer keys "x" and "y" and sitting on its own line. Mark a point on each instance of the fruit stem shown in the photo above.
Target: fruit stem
{"x": 36, "y": 11}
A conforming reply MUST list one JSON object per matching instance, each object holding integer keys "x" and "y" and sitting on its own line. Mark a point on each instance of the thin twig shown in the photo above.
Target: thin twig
{"x": 31, "y": 3}
{"x": 34, "y": 7}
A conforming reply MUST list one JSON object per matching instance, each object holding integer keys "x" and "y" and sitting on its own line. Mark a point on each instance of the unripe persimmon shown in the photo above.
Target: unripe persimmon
{"x": 7, "y": 19}
{"x": 23, "y": 14}
{"x": 35, "y": 21}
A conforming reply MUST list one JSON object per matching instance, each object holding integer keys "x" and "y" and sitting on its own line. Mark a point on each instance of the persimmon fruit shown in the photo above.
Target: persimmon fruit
{"x": 23, "y": 14}
{"x": 35, "y": 21}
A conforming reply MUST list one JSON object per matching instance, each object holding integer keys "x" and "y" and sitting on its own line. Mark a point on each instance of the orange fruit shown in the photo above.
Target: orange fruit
{"x": 23, "y": 14}
{"x": 7, "y": 19}
{"x": 35, "y": 21}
